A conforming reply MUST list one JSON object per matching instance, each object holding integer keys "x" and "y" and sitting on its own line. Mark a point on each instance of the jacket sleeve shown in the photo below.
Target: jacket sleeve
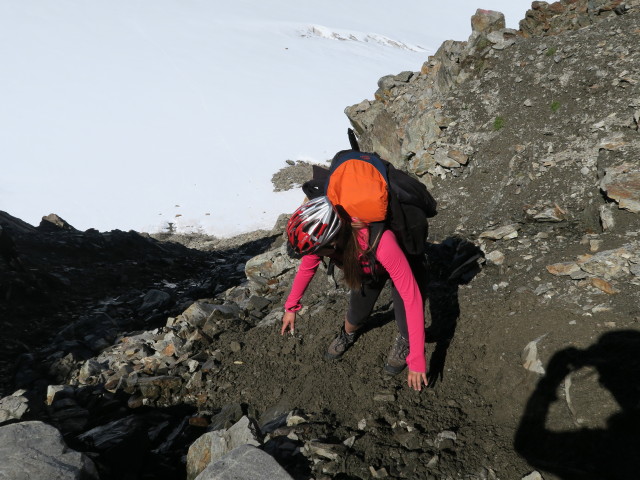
{"x": 394, "y": 261}
{"x": 306, "y": 271}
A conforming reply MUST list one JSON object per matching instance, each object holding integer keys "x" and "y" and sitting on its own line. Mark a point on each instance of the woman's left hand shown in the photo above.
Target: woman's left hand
{"x": 416, "y": 380}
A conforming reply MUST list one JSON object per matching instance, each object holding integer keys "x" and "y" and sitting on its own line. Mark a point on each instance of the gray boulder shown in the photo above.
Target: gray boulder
{"x": 36, "y": 451}
{"x": 245, "y": 463}
{"x": 267, "y": 267}
{"x": 212, "y": 446}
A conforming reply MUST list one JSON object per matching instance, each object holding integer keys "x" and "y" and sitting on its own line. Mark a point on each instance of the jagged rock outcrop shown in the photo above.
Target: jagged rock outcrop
{"x": 410, "y": 123}
{"x": 530, "y": 131}
{"x": 558, "y": 17}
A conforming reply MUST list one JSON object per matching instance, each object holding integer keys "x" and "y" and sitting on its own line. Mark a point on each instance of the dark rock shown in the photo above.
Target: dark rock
{"x": 53, "y": 223}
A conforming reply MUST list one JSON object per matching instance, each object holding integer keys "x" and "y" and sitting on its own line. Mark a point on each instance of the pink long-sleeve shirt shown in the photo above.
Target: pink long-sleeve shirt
{"x": 391, "y": 257}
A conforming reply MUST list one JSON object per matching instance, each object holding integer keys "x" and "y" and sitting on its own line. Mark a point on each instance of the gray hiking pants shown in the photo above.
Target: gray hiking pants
{"x": 361, "y": 302}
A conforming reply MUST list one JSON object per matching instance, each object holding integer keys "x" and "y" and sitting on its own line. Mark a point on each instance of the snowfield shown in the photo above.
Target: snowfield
{"x": 136, "y": 114}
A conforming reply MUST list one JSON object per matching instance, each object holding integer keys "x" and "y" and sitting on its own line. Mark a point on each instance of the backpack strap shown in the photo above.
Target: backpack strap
{"x": 353, "y": 141}
{"x": 331, "y": 267}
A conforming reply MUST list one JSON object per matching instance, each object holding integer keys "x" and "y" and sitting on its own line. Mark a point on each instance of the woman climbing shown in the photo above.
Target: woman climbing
{"x": 315, "y": 230}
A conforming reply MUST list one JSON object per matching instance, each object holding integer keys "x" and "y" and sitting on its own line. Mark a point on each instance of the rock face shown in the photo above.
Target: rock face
{"x": 34, "y": 450}
{"x": 145, "y": 352}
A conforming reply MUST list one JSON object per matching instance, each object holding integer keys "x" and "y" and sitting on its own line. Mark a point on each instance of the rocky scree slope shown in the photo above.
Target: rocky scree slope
{"x": 530, "y": 141}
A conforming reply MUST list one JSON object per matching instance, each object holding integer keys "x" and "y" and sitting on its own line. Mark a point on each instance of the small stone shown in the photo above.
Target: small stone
{"x": 579, "y": 275}
{"x": 54, "y": 392}
{"x": 445, "y": 440}
{"x": 552, "y": 213}
{"x": 200, "y": 422}
{"x": 606, "y": 218}
{"x": 384, "y": 397}
{"x": 603, "y": 285}
{"x": 294, "y": 419}
{"x": 381, "y": 473}
{"x": 192, "y": 365}
{"x": 543, "y": 288}
{"x": 496, "y": 257}
{"x": 235, "y": 347}
{"x": 458, "y": 157}
{"x": 14, "y": 406}
{"x": 602, "y": 308}
{"x": 446, "y": 161}
{"x": 528, "y": 103}
{"x": 503, "y": 233}
{"x": 530, "y": 359}
{"x": 563, "y": 268}
{"x": 533, "y": 476}
{"x": 433, "y": 461}
{"x": 594, "y": 245}
{"x": 362, "y": 424}
{"x": 329, "y": 451}
{"x": 349, "y": 442}
{"x": 135, "y": 401}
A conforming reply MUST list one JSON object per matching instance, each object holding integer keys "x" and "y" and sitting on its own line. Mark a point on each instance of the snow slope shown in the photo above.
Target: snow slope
{"x": 131, "y": 114}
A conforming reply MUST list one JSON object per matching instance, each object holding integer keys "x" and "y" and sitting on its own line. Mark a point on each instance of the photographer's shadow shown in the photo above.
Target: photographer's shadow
{"x": 588, "y": 453}
{"x": 449, "y": 264}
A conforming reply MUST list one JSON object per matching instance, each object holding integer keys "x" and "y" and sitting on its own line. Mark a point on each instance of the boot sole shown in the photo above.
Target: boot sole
{"x": 393, "y": 370}
{"x": 329, "y": 356}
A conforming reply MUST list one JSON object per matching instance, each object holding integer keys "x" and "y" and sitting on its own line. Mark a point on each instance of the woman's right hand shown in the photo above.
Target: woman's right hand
{"x": 288, "y": 321}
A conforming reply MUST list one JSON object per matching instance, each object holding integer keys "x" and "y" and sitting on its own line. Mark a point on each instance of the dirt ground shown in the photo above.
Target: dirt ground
{"x": 478, "y": 389}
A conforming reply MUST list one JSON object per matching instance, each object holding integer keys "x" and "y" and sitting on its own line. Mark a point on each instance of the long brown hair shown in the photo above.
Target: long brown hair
{"x": 351, "y": 250}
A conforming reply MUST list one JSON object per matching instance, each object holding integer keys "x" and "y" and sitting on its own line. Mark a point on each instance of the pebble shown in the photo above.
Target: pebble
{"x": 533, "y": 476}
{"x": 496, "y": 257}
{"x": 384, "y": 397}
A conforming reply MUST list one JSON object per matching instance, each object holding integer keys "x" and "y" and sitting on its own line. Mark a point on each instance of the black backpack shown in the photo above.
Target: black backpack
{"x": 410, "y": 203}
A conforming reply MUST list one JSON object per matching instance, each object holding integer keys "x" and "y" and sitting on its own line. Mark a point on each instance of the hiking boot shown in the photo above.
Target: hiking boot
{"x": 397, "y": 358}
{"x": 340, "y": 344}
